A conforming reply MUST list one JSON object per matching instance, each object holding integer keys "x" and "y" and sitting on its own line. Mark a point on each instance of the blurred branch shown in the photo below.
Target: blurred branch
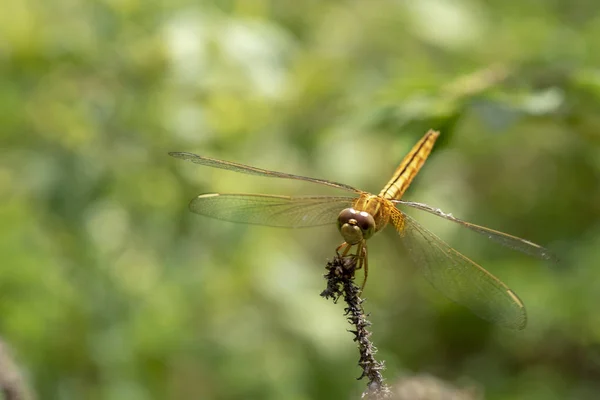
{"x": 476, "y": 82}
{"x": 340, "y": 283}
{"x": 442, "y": 106}
{"x": 12, "y": 384}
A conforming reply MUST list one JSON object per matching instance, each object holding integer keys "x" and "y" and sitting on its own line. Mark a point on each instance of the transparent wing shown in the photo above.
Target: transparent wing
{"x": 504, "y": 239}
{"x": 247, "y": 169}
{"x": 278, "y": 211}
{"x": 459, "y": 278}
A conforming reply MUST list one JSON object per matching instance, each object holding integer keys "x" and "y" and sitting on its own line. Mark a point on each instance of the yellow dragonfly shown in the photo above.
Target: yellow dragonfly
{"x": 362, "y": 214}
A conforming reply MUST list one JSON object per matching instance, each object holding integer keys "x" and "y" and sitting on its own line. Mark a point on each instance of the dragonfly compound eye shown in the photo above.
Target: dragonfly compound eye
{"x": 366, "y": 223}
{"x": 346, "y": 215}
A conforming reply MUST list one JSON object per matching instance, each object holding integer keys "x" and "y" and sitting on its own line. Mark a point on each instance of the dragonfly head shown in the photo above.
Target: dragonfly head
{"x": 355, "y": 226}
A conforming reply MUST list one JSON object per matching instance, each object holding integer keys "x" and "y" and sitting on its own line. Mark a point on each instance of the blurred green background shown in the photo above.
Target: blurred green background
{"x": 111, "y": 289}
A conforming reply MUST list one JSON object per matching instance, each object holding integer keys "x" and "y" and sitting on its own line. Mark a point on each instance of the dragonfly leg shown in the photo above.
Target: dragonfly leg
{"x": 361, "y": 254}
{"x": 346, "y": 248}
{"x": 364, "y": 260}
{"x": 360, "y": 257}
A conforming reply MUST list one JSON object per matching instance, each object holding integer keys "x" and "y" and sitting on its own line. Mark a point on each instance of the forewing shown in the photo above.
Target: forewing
{"x": 510, "y": 241}
{"x": 459, "y": 278}
{"x": 247, "y": 169}
{"x": 278, "y": 211}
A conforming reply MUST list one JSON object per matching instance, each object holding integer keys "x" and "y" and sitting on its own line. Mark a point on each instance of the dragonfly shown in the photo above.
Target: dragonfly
{"x": 360, "y": 215}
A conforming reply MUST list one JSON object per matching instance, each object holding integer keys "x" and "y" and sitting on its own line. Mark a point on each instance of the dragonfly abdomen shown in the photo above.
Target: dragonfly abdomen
{"x": 409, "y": 167}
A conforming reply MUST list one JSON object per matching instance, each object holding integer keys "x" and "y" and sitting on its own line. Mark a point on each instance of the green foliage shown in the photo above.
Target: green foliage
{"x": 111, "y": 289}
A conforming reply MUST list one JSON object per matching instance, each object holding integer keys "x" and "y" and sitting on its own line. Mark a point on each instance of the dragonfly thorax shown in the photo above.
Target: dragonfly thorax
{"x": 355, "y": 226}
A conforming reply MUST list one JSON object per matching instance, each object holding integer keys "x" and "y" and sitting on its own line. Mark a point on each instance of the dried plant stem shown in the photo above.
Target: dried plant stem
{"x": 340, "y": 283}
